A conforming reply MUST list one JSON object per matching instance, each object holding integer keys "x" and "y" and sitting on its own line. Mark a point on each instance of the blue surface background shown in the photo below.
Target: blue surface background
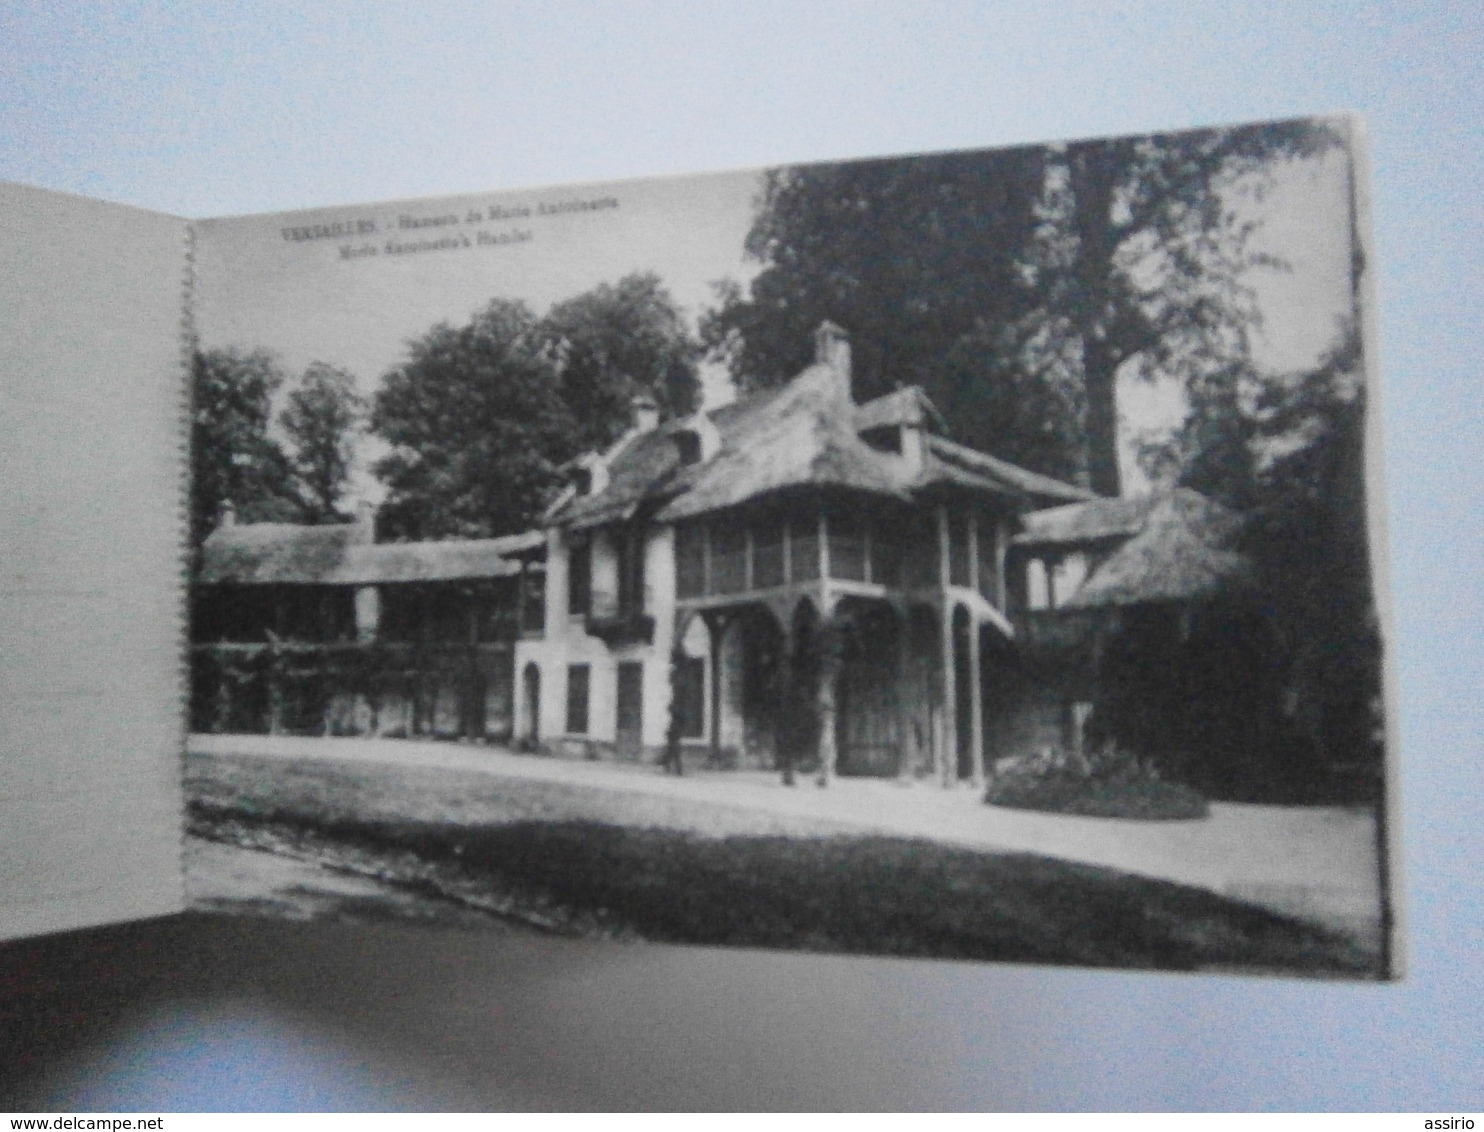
{"x": 205, "y": 111}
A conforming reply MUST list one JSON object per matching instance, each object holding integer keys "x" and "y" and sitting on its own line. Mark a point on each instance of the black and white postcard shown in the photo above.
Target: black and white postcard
{"x": 963, "y": 556}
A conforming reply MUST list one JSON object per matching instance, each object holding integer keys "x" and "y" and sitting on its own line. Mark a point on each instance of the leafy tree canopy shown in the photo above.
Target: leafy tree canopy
{"x": 477, "y": 428}
{"x": 1017, "y": 279}
{"x": 234, "y": 460}
{"x": 1308, "y": 535}
{"x": 481, "y": 417}
{"x": 321, "y": 420}
{"x": 921, "y": 260}
{"x": 1288, "y": 452}
{"x": 617, "y": 341}
{"x": 1144, "y": 257}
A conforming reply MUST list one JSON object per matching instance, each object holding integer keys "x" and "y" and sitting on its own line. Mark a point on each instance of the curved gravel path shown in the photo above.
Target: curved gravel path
{"x": 1318, "y": 863}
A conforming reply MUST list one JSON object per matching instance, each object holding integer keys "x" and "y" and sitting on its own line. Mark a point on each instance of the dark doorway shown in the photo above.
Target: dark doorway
{"x": 762, "y": 655}
{"x": 869, "y": 719}
{"x": 798, "y": 726}
{"x": 629, "y": 733}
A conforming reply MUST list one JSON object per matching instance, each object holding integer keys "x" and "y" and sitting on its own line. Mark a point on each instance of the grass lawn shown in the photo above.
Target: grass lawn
{"x": 593, "y": 862}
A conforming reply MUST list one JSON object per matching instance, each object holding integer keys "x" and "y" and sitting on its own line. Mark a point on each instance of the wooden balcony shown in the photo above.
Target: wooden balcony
{"x": 619, "y": 629}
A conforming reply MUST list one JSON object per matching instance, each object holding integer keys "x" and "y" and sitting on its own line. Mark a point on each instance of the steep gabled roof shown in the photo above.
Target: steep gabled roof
{"x": 803, "y": 434}
{"x": 1179, "y": 547}
{"x": 637, "y": 471}
{"x": 1125, "y": 516}
{"x": 289, "y": 554}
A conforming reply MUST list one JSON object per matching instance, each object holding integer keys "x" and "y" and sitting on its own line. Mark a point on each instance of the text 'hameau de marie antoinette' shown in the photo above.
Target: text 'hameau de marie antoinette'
{"x": 406, "y": 234}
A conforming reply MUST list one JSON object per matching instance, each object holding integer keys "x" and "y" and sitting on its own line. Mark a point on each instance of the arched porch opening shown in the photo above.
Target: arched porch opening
{"x": 871, "y": 727}
{"x": 729, "y": 668}
{"x": 749, "y": 656}
{"x": 923, "y": 723}
{"x": 798, "y": 726}
{"x": 1005, "y": 687}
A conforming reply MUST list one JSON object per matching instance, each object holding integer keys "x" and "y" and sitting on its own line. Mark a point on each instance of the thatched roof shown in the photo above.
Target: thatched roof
{"x": 801, "y": 435}
{"x": 469, "y": 559}
{"x": 955, "y": 463}
{"x": 275, "y": 553}
{"x": 249, "y": 554}
{"x": 1181, "y": 550}
{"x": 1081, "y": 523}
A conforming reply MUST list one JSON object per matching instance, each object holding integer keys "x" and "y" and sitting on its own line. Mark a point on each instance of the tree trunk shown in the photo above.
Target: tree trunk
{"x": 1100, "y": 381}
{"x": 1092, "y": 177}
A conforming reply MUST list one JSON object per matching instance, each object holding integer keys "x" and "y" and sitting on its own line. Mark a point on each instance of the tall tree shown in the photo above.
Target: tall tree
{"x": 616, "y": 341}
{"x": 476, "y": 425}
{"x": 1288, "y": 451}
{"x": 1145, "y": 259}
{"x": 1033, "y": 275}
{"x": 481, "y": 416}
{"x": 1215, "y": 450}
{"x": 1308, "y": 536}
{"x": 922, "y": 260}
{"x": 234, "y": 460}
{"x": 321, "y": 420}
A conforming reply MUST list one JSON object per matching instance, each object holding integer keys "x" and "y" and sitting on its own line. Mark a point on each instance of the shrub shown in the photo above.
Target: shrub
{"x": 1109, "y": 782}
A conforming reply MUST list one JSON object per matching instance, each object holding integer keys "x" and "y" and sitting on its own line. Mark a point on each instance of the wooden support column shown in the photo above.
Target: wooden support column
{"x": 972, "y": 534}
{"x": 787, "y": 698}
{"x": 672, "y": 762}
{"x": 275, "y": 689}
{"x": 1001, "y": 548}
{"x": 367, "y": 602}
{"x": 976, "y": 705}
{"x": 906, "y": 695}
{"x": 419, "y": 664}
{"x": 831, "y": 655}
{"x": 274, "y": 684}
{"x": 787, "y": 524}
{"x": 472, "y": 692}
{"x": 222, "y": 693}
{"x": 947, "y": 752}
{"x": 715, "y": 628}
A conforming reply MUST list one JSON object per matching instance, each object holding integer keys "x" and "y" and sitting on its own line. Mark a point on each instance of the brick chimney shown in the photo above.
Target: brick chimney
{"x": 365, "y": 523}
{"x": 832, "y": 348}
{"x": 646, "y": 412}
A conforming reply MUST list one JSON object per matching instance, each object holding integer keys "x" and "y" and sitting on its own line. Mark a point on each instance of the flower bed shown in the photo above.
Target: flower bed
{"x": 1107, "y": 784}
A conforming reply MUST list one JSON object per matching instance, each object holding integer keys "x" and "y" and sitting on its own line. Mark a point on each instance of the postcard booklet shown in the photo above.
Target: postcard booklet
{"x": 970, "y": 555}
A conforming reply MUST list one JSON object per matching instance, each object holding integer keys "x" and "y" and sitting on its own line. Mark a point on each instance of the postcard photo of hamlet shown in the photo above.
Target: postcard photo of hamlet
{"x": 960, "y": 556}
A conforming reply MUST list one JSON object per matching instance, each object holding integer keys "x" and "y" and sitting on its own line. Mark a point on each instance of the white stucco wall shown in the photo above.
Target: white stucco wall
{"x": 567, "y": 642}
